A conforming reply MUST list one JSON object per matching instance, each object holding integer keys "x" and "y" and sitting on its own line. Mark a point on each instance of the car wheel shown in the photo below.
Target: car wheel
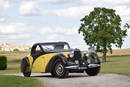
{"x": 92, "y": 71}
{"x": 25, "y": 68}
{"x": 93, "y": 59}
{"x": 52, "y": 74}
{"x": 59, "y": 69}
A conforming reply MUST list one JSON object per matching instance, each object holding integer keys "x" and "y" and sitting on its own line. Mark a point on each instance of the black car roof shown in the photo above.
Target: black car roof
{"x": 47, "y": 43}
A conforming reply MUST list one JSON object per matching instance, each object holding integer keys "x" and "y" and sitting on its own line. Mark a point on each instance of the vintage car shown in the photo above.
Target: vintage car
{"x": 59, "y": 59}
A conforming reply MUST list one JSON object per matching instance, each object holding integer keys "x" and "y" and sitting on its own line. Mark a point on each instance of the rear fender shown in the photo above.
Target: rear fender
{"x": 24, "y": 60}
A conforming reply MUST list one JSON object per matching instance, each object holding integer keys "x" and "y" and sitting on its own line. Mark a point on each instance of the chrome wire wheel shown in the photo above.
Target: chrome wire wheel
{"x": 59, "y": 69}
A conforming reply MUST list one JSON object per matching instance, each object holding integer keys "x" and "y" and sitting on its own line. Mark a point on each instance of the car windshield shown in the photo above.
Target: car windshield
{"x": 55, "y": 47}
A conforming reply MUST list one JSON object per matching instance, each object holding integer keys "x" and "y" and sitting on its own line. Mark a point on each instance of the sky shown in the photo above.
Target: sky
{"x": 31, "y": 21}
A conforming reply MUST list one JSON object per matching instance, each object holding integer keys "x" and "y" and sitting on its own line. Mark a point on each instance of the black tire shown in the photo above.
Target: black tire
{"x": 52, "y": 74}
{"x": 92, "y": 71}
{"x": 25, "y": 68}
{"x": 59, "y": 69}
{"x": 93, "y": 59}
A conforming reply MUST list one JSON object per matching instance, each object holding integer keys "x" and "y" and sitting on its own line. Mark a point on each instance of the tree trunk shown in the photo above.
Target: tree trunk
{"x": 104, "y": 55}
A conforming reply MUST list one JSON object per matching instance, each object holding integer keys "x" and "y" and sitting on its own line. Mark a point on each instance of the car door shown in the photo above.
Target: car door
{"x": 38, "y": 59}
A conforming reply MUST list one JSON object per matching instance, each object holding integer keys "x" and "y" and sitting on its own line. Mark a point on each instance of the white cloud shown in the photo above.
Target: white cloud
{"x": 58, "y": 30}
{"x": 82, "y": 8}
{"x": 19, "y": 36}
{"x": 4, "y": 4}
{"x": 29, "y": 8}
{"x": 11, "y": 28}
{"x": 63, "y": 34}
{"x": 124, "y": 12}
{"x": 105, "y": 2}
{"x": 2, "y": 19}
{"x": 73, "y": 11}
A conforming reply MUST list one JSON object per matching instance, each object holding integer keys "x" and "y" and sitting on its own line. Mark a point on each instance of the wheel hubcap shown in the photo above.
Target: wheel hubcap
{"x": 59, "y": 69}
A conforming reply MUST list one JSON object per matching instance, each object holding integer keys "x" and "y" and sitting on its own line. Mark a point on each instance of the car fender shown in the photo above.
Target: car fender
{"x": 53, "y": 59}
{"x": 95, "y": 56}
{"x": 23, "y": 61}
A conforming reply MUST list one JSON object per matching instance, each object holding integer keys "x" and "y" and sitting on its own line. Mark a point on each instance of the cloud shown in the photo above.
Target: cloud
{"x": 58, "y": 30}
{"x": 19, "y": 36}
{"x": 14, "y": 32}
{"x": 105, "y": 2}
{"x": 2, "y": 19}
{"x": 71, "y": 12}
{"x": 124, "y": 12}
{"x": 4, "y": 4}
{"x": 82, "y": 7}
{"x": 13, "y": 28}
{"x": 69, "y": 35}
{"x": 29, "y": 8}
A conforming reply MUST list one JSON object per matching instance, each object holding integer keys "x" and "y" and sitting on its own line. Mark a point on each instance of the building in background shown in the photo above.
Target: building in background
{"x": 12, "y": 47}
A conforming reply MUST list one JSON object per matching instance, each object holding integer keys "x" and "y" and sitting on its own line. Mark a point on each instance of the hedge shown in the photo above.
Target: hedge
{"x": 3, "y": 62}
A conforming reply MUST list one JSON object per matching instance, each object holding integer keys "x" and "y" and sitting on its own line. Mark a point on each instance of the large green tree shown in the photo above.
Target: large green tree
{"x": 101, "y": 29}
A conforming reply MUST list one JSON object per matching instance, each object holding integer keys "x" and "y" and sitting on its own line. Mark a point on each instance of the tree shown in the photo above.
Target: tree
{"x": 102, "y": 28}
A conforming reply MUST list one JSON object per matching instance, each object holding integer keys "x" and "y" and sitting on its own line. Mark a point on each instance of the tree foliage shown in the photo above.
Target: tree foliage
{"x": 102, "y": 28}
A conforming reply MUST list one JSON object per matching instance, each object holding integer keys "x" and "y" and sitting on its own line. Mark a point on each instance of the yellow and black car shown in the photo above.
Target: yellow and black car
{"x": 59, "y": 59}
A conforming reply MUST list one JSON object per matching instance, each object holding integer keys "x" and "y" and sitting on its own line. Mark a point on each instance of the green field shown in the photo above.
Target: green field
{"x": 13, "y": 66}
{"x": 17, "y": 81}
{"x": 115, "y": 64}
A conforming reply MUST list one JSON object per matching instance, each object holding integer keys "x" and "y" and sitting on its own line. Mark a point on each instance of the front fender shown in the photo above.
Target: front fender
{"x": 53, "y": 59}
{"x": 94, "y": 54}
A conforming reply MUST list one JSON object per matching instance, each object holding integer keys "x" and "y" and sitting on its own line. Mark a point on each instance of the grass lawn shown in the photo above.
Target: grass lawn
{"x": 17, "y": 81}
{"x": 117, "y": 64}
{"x": 13, "y": 61}
{"x": 13, "y": 66}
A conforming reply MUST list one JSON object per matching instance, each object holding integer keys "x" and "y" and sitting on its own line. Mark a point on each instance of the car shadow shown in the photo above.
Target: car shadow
{"x": 69, "y": 76}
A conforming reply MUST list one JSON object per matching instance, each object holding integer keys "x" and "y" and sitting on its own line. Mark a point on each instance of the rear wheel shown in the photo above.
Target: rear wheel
{"x": 25, "y": 68}
{"x": 59, "y": 69}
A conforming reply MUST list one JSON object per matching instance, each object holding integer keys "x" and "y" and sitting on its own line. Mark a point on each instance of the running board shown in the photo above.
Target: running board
{"x": 77, "y": 66}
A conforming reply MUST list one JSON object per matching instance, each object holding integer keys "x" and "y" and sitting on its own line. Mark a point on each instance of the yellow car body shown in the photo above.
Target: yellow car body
{"x": 41, "y": 62}
{"x": 59, "y": 59}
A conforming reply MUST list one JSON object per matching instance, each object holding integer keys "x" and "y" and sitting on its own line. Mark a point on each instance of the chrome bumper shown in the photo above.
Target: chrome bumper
{"x": 93, "y": 65}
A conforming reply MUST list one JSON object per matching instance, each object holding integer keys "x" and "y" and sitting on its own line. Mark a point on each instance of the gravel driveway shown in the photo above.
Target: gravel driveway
{"x": 82, "y": 80}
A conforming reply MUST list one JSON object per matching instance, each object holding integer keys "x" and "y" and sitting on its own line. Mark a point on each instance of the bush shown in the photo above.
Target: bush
{"x": 3, "y": 62}
{"x": 16, "y": 50}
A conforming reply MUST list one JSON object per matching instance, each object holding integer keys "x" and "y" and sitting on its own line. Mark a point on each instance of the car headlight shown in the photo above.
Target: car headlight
{"x": 86, "y": 53}
{"x": 89, "y": 60}
{"x": 71, "y": 54}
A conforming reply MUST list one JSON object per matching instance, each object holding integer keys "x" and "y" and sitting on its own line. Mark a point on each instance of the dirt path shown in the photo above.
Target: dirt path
{"x": 82, "y": 80}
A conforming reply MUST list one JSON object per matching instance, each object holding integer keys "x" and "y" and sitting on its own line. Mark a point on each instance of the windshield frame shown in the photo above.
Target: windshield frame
{"x": 55, "y": 43}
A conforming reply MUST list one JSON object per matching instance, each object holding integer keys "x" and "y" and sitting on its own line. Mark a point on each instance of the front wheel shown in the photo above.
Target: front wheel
{"x": 59, "y": 69}
{"x": 93, "y": 59}
{"x": 92, "y": 71}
